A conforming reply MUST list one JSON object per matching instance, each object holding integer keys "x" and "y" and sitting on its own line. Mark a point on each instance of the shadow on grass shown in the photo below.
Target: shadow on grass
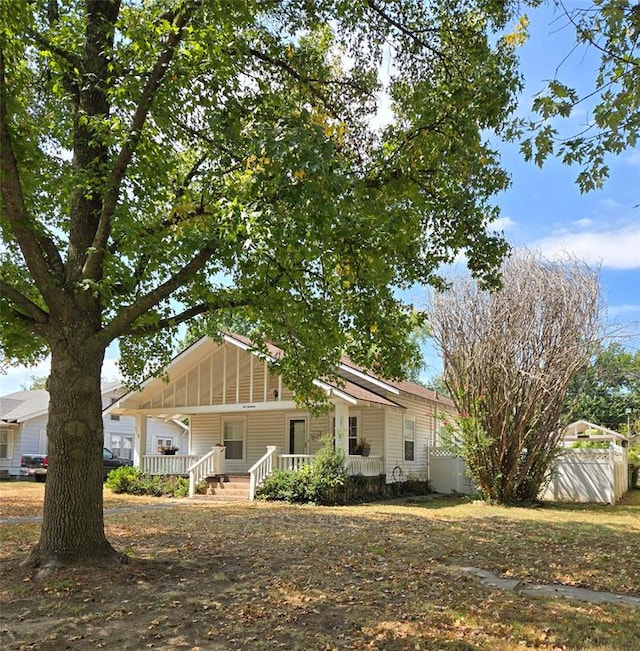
{"x": 381, "y": 577}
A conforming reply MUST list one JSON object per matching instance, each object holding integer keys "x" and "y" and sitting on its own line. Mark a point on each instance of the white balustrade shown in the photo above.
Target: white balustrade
{"x": 213, "y": 463}
{"x": 367, "y": 466}
{"x": 167, "y": 464}
{"x": 295, "y": 461}
{"x": 262, "y": 469}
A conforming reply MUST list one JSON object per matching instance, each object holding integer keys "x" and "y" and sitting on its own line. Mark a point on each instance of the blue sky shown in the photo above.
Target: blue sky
{"x": 544, "y": 209}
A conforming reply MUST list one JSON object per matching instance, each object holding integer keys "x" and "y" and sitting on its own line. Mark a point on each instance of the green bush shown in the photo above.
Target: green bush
{"x": 593, "y": 445}
{"x": 285, "y": 486}
{"x": 132, "y": 481}
{"x": 319, "y": 483}
{"x": 120, "y": 480}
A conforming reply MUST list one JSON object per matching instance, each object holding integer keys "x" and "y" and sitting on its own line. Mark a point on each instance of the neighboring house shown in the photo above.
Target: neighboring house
{"x": 234, "y": 402}
{"x": 23, "y": 428}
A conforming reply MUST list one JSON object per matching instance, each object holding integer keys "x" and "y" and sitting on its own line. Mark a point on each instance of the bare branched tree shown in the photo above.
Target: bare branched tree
{"x": 509, "y": 357}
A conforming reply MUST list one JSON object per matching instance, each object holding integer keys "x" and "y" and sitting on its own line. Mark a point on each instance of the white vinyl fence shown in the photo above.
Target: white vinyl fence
{"x": 448, "y": 473}
{"x": 589, "y": 475}
{"x": 580, "y": 475}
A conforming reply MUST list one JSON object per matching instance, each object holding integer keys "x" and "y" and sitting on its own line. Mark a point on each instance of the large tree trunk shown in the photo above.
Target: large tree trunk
{"x": 73, "y": 525}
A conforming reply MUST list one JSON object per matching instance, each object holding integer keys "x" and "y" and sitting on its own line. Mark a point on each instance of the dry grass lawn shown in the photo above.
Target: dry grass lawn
{"x": 382, "y": 576}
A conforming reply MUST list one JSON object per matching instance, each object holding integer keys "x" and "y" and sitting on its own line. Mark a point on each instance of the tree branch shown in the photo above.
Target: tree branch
{"x": 187, "y": 315}
{"x": 39, "y": 251}
{"x": 406, "y": 31}
{"x": 22, "y": 304}
{"x": 298, "y": 77}
{"x": 122, "y": 322}
{"x": 95, "y": 258}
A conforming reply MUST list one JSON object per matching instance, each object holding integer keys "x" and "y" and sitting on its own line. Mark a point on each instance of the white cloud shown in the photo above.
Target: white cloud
{"x": 582, "y": 223}
{"x": 614, "y": 248}
{"x": 611, "y": 204}
{"x": 501, "y": 224}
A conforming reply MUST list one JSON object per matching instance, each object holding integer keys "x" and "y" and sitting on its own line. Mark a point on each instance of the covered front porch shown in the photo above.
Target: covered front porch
{"x": 213, "y": 464}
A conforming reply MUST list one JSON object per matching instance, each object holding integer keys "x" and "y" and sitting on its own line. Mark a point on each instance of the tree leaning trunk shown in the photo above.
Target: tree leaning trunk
{"x": 73, "y": 523}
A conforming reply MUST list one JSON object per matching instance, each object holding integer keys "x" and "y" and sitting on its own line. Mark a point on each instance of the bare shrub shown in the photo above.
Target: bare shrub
{"x": 509, "y": 356}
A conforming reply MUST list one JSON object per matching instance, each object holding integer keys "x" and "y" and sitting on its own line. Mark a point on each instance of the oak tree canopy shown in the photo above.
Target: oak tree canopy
{"x": 168, "y": 160}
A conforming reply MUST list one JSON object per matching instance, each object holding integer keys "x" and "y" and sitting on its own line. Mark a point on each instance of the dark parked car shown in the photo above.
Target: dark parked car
{"x": 111, "y": 460}
{"x": 37, "y": 464}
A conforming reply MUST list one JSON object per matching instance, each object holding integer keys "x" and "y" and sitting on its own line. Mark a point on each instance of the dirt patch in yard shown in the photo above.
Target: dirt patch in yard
{"x": 384, "y": 576}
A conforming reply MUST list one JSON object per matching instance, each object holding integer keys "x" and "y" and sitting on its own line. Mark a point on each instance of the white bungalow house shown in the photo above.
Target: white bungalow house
{"x": 244, "y": 420}
{"x": 23, "y": 428}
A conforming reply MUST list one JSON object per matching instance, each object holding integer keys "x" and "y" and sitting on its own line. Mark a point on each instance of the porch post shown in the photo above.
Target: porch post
{"x": 140, "y": 447}
{"x": 341, "y": 434}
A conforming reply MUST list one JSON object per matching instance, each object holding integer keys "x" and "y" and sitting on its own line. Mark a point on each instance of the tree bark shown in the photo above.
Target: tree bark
{"x": 73, "y": 523}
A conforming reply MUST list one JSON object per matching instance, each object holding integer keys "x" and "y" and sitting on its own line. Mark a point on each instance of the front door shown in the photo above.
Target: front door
{"x": 298, "y": 436}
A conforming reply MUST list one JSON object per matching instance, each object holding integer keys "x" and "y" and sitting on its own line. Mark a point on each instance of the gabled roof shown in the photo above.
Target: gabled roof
{"x": 359, "y": 385}
{"x": 23, "y": 405}
{"x": 573, "y": 430}
{"x": 349, "y": 369}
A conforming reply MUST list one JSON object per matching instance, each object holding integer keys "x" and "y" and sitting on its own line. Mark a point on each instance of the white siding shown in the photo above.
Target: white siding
{"x": 261, "y": 430}
{"x": 225, "y": 375}
{"x": 393, "y": 453}
{"x": 426, "y": 415}
{"x": 371, "y": 427}
{"x": 156, "y": 428}
{"x": 31, "y": 437}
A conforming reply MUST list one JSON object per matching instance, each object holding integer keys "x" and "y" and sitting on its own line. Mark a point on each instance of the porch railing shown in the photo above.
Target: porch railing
{"x": 355, "y": 464}
{"x": 161, "y": 464}
{"x": 294, "y": 461}
{"x": 211, "y": 464}
{"x": 261, "y": 469}
{"x": 367, "y": 466}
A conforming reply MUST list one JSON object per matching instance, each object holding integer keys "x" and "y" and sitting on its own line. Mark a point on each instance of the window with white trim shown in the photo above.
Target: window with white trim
{"x": 409, "y": 439}
{"x": 122, "y": 445}
{"x": 233, "y": 439}
{"x": 162, "y": 443}
{"x": 353, "y": 434}
{"x": 6, "y": 443}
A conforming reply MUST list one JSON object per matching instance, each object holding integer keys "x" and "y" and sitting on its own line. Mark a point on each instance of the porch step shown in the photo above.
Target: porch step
{"x": 227, "y": 487}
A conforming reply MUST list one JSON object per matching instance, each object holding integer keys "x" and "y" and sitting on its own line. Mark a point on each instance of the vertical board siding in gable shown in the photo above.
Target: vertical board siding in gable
{"x": 218, "y": 377}
{"x": 192, "y": 387}
{"x": 181, "y": 391}
{"x": 230, "y": 374}
{"x": 167, "y": 396}
{"x": 272, "y": 386}
{"x": 287, "y": 394}
{"x": 245, "y": 377}
{"x": 204, "y": 379}
{"x": 258, "y": 379}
